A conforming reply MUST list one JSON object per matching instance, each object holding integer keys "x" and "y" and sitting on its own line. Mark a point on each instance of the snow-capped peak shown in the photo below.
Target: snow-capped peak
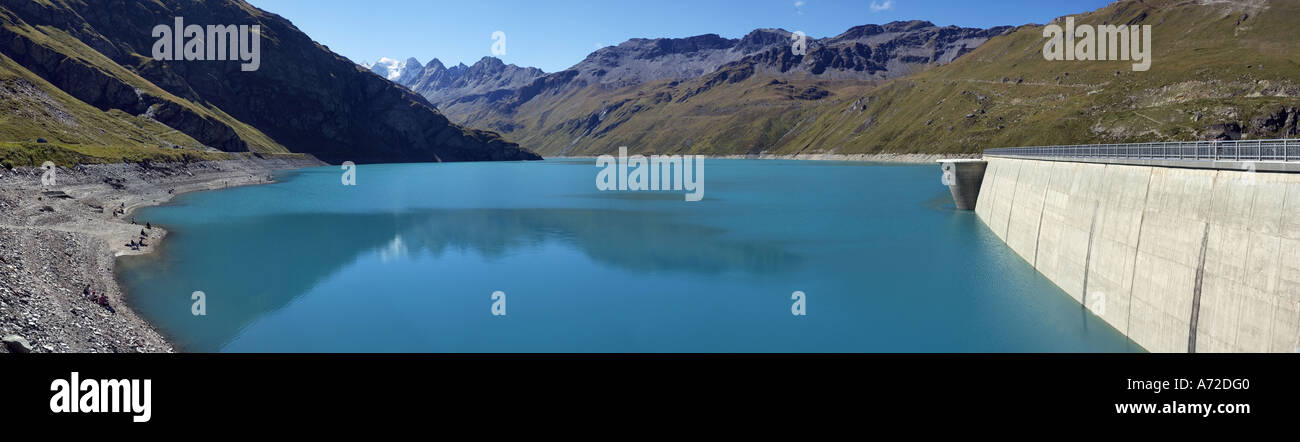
{"x": 388, "y": 68}
{"x": 401, "y": 72}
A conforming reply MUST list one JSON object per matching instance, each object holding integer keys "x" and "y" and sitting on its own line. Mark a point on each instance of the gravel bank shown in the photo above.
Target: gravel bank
{"x": 56, "y": 240}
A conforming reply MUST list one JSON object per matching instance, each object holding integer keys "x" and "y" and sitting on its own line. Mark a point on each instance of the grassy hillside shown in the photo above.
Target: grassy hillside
{"x": 79, "y": 133}
{"x": 1215, "y": 64}
{"x": 76, "y": 51}
{"x": 730, "y": 111}
{"x": 33, "y": 109}
{"x": 68, "y": 155}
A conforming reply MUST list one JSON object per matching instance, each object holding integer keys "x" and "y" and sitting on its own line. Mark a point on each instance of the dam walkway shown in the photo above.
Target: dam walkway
{"x": 1281, "y": 155}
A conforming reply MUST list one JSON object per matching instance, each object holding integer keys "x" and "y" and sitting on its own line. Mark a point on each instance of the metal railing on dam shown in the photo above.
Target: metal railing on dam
{"x": 1284, "y": 150}
{"x": 965, "y": 177}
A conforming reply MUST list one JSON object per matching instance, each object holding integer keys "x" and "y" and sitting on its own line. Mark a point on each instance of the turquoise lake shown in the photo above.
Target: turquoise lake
{"x": 407, "y": 260}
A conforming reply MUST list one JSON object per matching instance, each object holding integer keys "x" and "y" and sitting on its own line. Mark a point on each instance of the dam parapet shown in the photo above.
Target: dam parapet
{"x": 1247, "y": 155}
{"x": 1183, "y": 247}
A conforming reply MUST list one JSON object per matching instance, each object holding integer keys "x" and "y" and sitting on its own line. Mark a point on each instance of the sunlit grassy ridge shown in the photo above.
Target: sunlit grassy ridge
{"x": 78, "y": 132}
{"x": 33, "y": 108}
{"x": 1214, "y": 63}
{"x": 69, "y": 46}
{"x": 730, "y": 111}
{"x": 67, "y": 155}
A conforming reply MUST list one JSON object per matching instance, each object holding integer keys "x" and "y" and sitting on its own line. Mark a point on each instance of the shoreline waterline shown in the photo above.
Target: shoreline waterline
{"x": 79, "y": 215}
{"x": 127, "y": 301}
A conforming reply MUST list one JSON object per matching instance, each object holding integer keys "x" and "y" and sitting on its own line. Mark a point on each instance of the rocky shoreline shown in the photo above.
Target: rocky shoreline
{"x": 56, "y": 240}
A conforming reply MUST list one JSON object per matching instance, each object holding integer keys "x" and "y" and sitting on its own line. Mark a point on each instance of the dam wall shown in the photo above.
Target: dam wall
{"x": 1177, "y": 259}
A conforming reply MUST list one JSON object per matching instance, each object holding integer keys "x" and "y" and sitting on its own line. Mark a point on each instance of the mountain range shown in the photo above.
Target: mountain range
{"x": 78, "y": 75}
{"x": 580, "y": 110}
{"x": 1222, "y": 70}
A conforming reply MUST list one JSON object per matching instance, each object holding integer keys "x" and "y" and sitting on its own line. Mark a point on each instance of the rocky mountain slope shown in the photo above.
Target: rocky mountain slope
{"x": 92, "y": 59}
{"x": 1222, "y": 69}
{"x": 647, "y": 92}
{"x": 441, "y": 84}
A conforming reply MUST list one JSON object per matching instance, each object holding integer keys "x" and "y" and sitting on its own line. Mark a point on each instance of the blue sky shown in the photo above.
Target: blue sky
{"x": 554, "y": 35}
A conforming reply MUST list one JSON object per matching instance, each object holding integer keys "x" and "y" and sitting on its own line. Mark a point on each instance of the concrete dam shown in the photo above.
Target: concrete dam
{"x": 1183, "y": 247}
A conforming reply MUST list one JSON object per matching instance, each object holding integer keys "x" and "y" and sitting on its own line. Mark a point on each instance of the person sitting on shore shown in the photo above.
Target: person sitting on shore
{"x": 103, "y": 301}
{"x": 143, "y": 235}
{"x": 86, "y": 291}
{"x": 148, "y": 226}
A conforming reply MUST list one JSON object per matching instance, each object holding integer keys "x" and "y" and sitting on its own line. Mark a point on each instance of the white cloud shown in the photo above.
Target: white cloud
{"x": 798, "y": 6}
{"x": 877, "y": 7}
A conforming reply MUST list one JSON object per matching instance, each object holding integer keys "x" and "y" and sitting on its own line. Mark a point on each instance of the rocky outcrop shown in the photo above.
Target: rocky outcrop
{"x": 869, "y": 51}
{"x": 1278, "y": 124}
{"x": 440, "y": 84}
{"x": 1222, "y": 132}
{"x": 17, "y": 344}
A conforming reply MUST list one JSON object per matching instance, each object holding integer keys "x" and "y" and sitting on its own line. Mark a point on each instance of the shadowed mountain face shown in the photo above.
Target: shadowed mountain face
{"x": 303, "y": 98}
{"x": 618, "y": 94}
